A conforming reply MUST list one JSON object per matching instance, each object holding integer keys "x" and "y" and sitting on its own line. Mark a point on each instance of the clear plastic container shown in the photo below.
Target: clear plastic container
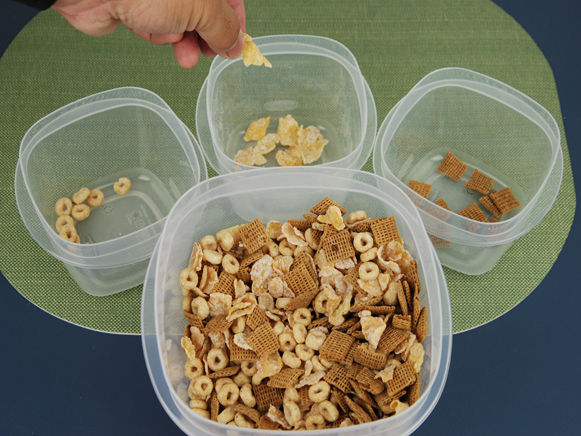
{"x": 274, "y": 194}
{"x": 489, "y": 126}
{"x": 315, "y": 79}
{"x": 125, "y": 132}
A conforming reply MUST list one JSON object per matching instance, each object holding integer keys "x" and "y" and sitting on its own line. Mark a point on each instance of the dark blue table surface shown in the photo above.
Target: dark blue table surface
{"x": 518, "y": 375}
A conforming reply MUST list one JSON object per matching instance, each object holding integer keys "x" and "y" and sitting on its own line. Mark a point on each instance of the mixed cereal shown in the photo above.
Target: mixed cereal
{"x": 307, "y": 324}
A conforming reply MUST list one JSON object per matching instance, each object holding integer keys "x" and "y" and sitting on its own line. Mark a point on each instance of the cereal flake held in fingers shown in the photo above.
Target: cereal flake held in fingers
{"x": 251, "y": 54}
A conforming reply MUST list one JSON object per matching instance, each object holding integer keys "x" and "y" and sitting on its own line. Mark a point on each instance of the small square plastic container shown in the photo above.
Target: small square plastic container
{"x": 315, "y": 79}
{"x": 125, "y": 132}
{"x": 274, "y": 194}
{"x": 490, "y": 127}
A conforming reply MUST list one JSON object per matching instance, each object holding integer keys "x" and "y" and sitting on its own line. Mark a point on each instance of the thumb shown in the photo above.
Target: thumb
{"x": 219, "y": 26}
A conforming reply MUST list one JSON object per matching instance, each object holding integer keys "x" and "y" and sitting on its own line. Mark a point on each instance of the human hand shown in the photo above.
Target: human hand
{"x": 191, "y": 26}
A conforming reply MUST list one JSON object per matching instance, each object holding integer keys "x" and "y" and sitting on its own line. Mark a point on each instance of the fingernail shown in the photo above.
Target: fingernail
{"x": 237, "y": 48}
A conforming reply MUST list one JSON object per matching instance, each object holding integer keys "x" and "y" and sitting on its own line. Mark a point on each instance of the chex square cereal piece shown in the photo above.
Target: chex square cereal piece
{"x": 256, "y": 318}
{"x": 490, "y": 205}
{"x": 505, "y": 200}
{"x": 479, "y": 182}
{"x": 194, "y": 320}
{"x": 474, "y": 213}
{"x": 353, "y": 371}
{"x": 358, "y": 335}
{"x": 286, "y": 378}
{"x": 300, "y": 224}
{"x": 452, "y": 167}
{"x": 402, "y": 322}
{"x": 385, "y": 230}
{"x": 401, "y": 297}
{"x": 338, "y": 247}
{"x": 367, "y": 407}
{"x": 238, "y": 354}
{"x": 358, "y": 411}
{"x": 336, "y": 346}
{"x": 340, "y": 396}
{"x": 380, "y": 310}
{"x": 408, "y": 293}
{"x": 214, "y": 406}
{"x": 266, "y": 424}
{"x": 263, "y": 340}
{"x": 358, "y": 307}
{"x": 403, "y": 376}
{"x": 244, "y": 275}
{"x": 226, "y": 372}
{"x": 384, "y": 399}
{"x": 443, "y": 204}
{"x": 348, "y": 360}
{"x": 361, "y": 393}
{"x": 321, "y": 322}
{"x": 337, "y": 376}
{"x": 299, "y": 280}
{"x": 416, "y": 310}
{"x": 265, "y": 396}
{"x": 439, "y": 242}
{"x": 321, "y": 207}
{"x": 352, "y": 278}
{"x": 253, "y": 235}
{"x": 420, "y": 187}
{"x": 437, "y": 212}
{"x": 302, "y": 300}
{"x": 310, "y": 217}
{"x": 414, "y": 391}
{"x": 367, "y": 381}
{"x": 218, "y": 324}
{"x": 369, "y": 358}
{"x": 413, "y": 277}
{"x": 225, "y": 284}
{"x": 304, "y": 396}
{"x": 390, "y": 339}
{"x": 346, "y": 324}
{"x": 328, "y": 232}
{"x": 362, "y": 226}
{"x": 250, "y": 412}
{"x": 250, "y": 259}
{"x": 317, "y": 236}
{"x": 422, "y": 325}
{"x": 306, "y": 260}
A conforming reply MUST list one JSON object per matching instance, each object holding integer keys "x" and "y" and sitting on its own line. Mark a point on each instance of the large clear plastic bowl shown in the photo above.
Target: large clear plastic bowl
{"x": 315, "y": 79}
{"x": 278, "y": 194}
{"x": 489, "y": 126}
{"x": 92, "y": 142}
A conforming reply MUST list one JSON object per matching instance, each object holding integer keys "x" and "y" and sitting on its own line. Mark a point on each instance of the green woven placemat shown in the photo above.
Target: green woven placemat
{"x": 50, "y": 64}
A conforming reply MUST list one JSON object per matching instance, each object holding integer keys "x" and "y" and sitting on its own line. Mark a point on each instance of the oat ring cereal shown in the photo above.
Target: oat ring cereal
{"x": 368, "y": 271}
{"x": 80, "y": 212}
{"x": 319, "y": 391}
{"x": 228, "y": 394}
{"x": 69, "y": 233}
{"x": 63, "y": 206}
{"x": 123, "y": 186}
{"x": 230, "y": 264}
{"x": 81, "y": 195}
{"x": 95, "y": 198}
{"x": 329, "y": 411}
{"x": 62, "y": 220}
{"x": 217, "y": 359}
{"x": 316, "y": 422}
{"x": 363, "y": 242}
{"x": 203, "y": 386}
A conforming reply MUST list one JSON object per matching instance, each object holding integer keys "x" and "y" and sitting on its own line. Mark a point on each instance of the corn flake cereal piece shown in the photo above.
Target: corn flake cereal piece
{"x": 311, "y": 143}
{"x": 189, "y": 348}
{"x": 219, "y": 304}
{"x": 266, "y": 144}
{"x": 288, "y": 130}
{"x": 333, "y": 217}
{"x": 372, "y": 328}
{"x": 251, "y": 54}
{"x": 293, "y": 235}
{"x": 290, "y": 157}
{"x": 260, "y": 273}
{"x": 249, "y": 157}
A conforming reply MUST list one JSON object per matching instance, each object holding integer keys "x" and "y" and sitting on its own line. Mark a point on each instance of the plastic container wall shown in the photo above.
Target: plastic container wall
{"x": 279, "y": 195}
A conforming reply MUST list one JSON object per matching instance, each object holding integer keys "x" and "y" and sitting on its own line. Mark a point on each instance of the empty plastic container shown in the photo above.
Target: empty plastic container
{"x": 317, "y": 80}
{"x": 274, "y": 194}
{"x": 490, "y": 127}
{"x": 125, "y": 132}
